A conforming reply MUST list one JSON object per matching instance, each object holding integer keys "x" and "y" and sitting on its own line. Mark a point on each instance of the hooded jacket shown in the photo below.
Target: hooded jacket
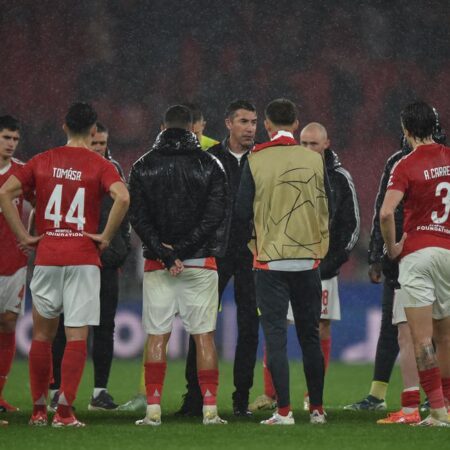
{"x": 179, "y": 196}
{"x": 345, "y": 217}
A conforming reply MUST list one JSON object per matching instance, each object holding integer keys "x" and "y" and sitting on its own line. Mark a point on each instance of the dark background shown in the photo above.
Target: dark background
{"x": 350, "y": 65}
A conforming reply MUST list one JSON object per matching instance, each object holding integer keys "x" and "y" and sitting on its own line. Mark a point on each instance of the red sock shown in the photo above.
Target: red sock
{"x": 284, "y": 411}
{"x": 40, "y": 362}
{"x": 7, "y": 350}
{"x": 430, "y": 380}
{"x": 209, "y": 381}
{"x": 411, "y": 399}
{"x": 72, "y": 367}
{"x": 269, "y": 389}
{"x": 446, "y": 389}
{"x": 317, "y": 407}
{"x": 326, "y": 350}
{"x": 154, "y": 381}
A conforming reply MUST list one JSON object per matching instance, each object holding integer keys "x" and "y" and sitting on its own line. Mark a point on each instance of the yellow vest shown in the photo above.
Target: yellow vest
{"x": 206, "y": 142}
{"x": 290, "y": 206}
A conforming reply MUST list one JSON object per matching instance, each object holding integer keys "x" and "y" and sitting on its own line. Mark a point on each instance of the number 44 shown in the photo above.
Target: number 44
{"x": 76, "y": 211}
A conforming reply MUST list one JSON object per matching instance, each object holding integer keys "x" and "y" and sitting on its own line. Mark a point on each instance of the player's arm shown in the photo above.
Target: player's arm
{"x": 119, "y": 193}
{"x": 8, "y": 192}
{"x": 387, "y": 223}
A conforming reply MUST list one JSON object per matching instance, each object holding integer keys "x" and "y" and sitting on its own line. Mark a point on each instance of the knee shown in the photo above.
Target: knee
{"x": 325, "y": 329}
{"x": 8, "y": 322}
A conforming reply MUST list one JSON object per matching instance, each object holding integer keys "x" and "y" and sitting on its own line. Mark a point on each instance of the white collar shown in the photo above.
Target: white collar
{"x": 5, "y": 169}
{"x": 282, "y": 133}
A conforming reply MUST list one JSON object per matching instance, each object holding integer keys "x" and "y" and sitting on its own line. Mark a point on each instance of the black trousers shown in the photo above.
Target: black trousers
{"x": 387, "y": 346}
{"x": 238, "y": 265}
{"x": 274, "y": 290}
{"x": 102, "y": 335}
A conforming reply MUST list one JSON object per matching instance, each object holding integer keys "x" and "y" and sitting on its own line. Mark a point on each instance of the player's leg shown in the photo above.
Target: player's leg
{"x": 158, "y": 312}
{"x": 306, "y": 294}
{"x": 198, "y": 300}
{"x": 12, "y": 302}
{"x": 103, "y": 340}
{"x": 441, "y": 337}
{"x": 385, "y": 357}
{"x": 247, "y": 341}
{"x": 8, "y": 320}
{"x": 47, "y": 286}
{"x": 58, "y": 346}
{"x": 272, "y": 295}
{"x": 81, "y": 305}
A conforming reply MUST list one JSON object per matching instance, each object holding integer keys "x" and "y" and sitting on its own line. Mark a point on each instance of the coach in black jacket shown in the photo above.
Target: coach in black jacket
{"x": 232, "y": 152}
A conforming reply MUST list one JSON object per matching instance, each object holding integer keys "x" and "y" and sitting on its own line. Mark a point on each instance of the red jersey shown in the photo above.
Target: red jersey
{"x": 69, "y": 183}
{"x": 424, "y": 177}
{"x": 11, "y": 257}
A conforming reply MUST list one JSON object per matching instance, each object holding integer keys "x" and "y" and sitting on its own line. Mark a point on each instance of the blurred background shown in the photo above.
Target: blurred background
{"x": 351, "y": 65}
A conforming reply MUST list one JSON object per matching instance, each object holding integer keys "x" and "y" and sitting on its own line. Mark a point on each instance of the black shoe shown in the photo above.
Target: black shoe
{"x": 192, "y": 406}
{"x": 103, "y": 402}
{"x": 242, "y": 411}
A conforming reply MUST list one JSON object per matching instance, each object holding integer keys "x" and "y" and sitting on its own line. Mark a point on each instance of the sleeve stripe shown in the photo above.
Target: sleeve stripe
{"x": 355, "y": 234}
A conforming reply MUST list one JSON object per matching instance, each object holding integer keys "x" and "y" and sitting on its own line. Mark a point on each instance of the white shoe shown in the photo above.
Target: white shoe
{"x": 152, "y": 417}
{"x": 276, "y": 419}
{"x": 317, "y": 418}
{"x": 211, "y": 417}
{"x": 262, "y": 402}
{"x": 430, "y": 421}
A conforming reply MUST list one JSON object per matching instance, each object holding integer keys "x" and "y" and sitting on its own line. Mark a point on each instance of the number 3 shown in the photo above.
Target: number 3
{"x": 445, "y": 201}
{"x": 53, "y": 208}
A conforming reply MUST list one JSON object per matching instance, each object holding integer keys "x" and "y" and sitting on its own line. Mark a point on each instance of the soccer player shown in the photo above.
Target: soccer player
{"x": 180, "y": 208}
{"x": 240, "y": 120}
{"x": 69, "y": 183}
{"x": 422, "y": 180}
{"x": 284, "y": 190}
{"x": 344, "y": 233}
{"x": 103, "y": 335}
{"x": 13, "y": 260}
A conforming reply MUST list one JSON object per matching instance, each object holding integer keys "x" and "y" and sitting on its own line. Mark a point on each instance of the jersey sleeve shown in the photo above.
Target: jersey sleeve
{"x": 25, "y": 174}
{"x": 399, "y": 180}
{"x": 110, "y": 175}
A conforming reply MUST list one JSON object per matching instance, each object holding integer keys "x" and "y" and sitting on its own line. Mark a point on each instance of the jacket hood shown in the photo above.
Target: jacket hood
{"x": 331, "y": 159}
{"x": 176, "y": 141}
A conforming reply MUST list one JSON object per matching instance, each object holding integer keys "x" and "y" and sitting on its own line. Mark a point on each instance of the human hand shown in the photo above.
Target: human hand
{"x": 177, "y": 268}
{"x": 375, "y": 273}
{"x": 99, "y": 240}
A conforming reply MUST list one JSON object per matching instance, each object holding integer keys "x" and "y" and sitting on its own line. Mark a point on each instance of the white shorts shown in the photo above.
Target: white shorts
{"x": 425, "y": 278}
{"x": 12, "y": 291}
{"x": 72, "y": 290}
{"x": 398, "y": 310}
{"x": 193, "y": 294}
{"x": 331, "y": 305}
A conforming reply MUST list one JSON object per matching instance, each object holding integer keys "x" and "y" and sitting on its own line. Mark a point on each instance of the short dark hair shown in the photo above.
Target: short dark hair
{"x": 197, "y": 114}
{"x": 101, "y": 128}
{"x": 419, "y": 119}
{"x": 9, "y": 123}
{"x": 281, "y": 112}
{"x": 80, "y": 117}
{"x": 238, "y": 104}
{"x": 178, "y": 116}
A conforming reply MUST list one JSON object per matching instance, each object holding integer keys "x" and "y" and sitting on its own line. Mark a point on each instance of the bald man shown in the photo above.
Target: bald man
{"x": 344, "y": 229}
{"x": 344, "y": 232}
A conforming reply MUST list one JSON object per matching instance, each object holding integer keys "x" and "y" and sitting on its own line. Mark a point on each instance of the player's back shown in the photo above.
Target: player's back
{"x": 69, "y": 184}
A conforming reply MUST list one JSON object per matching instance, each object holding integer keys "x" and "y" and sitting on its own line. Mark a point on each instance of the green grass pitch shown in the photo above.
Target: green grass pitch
{"x": 114, "y": 430}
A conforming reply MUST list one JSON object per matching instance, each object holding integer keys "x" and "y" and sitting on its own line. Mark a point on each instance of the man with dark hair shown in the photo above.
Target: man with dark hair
{"x": 390, "y": 334}
{"x": 13, "y": 261}
{"x": 422, "y": 181}
{"x": 180, "y": 208}
{"x": 198, "y": 126}
{"x": 232, "y": 152}
{"x": 103, "y": 335}
{"x": 68, "y": 182}
{"x": 283, "y": 189}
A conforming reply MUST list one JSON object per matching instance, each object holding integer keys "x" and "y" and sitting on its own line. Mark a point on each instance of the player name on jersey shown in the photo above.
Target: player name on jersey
{"x": 67, "y": 174}
{"x": 436, "y": 172}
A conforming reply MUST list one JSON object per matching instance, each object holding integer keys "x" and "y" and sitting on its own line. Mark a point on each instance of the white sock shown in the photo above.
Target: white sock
{"x": 97, "y": 392}
{"x": 52, "y": 393}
